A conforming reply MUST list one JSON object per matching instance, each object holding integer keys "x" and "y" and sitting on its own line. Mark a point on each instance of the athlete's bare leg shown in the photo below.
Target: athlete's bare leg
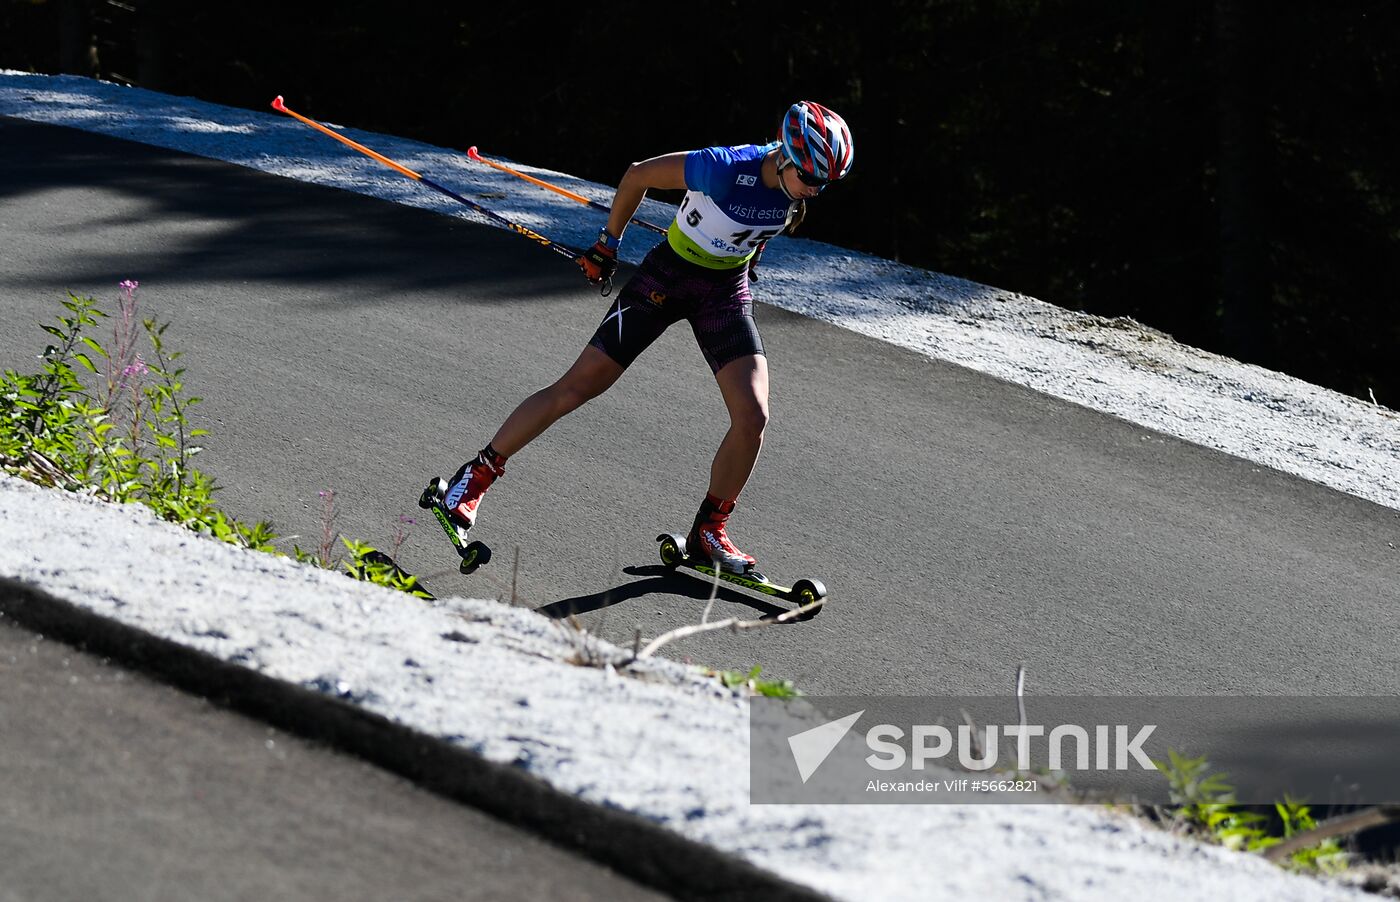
{"x": 744, "y": 385}
{"x": 592, "y": 374}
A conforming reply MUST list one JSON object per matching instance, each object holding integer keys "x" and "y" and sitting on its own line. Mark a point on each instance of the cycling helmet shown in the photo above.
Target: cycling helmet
{"x": 817, "y": 141}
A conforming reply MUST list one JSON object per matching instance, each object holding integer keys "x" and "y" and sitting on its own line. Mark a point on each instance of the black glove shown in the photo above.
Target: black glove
{"x": 599, "y": 262}
{"x": 753, "y": 262}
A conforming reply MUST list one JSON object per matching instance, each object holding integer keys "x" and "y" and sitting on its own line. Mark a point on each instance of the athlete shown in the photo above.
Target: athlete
{"x": 737, "y": 198}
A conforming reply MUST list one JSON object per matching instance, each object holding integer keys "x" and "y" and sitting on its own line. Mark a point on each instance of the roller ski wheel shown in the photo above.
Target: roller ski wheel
{"x": 473, "y": 554}
{"x": 672, "y": 550}
{"x": 805, "y": 593}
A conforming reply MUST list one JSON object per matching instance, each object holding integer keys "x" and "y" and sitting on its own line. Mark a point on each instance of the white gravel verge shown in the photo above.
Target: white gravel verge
{"x": 668, "y": 743}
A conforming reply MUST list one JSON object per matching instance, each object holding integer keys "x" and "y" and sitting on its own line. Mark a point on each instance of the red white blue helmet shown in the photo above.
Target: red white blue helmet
{"x": 817, "y": 141}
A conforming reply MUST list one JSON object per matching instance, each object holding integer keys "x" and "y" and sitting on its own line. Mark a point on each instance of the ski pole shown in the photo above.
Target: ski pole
{"x": 555, "y": 246}
{"x": 472, "y": 152}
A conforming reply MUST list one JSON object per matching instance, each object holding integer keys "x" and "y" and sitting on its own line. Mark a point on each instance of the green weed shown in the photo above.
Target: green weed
{"x": 128, "y": 437}
{"x": 1204, "y": 804}
{"x": 735, "y": 679}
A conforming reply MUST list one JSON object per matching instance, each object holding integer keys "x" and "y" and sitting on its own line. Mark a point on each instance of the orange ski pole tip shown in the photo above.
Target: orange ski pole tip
{"x": 471, "y": 152}
{"x": 278, "y": 105}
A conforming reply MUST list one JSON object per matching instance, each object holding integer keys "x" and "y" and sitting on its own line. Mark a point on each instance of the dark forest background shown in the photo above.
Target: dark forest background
{"x": 1224, "y": 170}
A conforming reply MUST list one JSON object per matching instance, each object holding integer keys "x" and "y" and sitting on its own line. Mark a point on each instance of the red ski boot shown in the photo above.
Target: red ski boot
{"x": 462, "y": 498}
{"x": 708, "y": 538}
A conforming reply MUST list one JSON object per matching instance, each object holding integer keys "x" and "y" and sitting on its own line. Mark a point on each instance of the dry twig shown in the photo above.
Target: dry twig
{"x": 734, "y": 624}
{"x": 1336, "y": 826}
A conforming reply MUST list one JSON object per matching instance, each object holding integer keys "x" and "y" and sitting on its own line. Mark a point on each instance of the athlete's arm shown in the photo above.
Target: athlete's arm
{"x": 663, "y": 172}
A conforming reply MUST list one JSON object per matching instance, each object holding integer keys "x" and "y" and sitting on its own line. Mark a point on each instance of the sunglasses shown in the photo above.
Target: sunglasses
{"x": 811, "y": 181}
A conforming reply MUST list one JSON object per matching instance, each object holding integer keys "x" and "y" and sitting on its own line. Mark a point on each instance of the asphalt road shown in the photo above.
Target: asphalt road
{"x": 114, "y": 787}
{"x": 963, "y": 524}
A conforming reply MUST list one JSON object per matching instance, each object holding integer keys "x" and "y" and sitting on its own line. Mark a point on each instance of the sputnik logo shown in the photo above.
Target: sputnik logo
{"x": 812, "y": 747}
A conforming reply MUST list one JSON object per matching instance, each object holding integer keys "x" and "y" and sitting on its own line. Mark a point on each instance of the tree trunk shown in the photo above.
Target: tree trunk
{"x": 878, "y": 127}
{"x": 1244, "y": 282}
{"x": 151, "y": 44}
{"x": 77, "y": 49}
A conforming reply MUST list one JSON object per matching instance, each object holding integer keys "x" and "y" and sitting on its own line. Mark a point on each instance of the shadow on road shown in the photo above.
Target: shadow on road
{"x": 656, "y": 580}
{"x": 238, "y": 225}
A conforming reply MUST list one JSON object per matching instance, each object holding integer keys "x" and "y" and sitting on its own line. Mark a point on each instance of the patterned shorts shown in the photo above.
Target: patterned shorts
{"x": 665, "y": 289}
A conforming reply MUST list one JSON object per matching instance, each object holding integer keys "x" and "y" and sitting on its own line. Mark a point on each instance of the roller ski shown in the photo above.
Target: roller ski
{"x": 709, "y": 550}
{"x": 454, "y": 503}
{"x": 805, "y": 593}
